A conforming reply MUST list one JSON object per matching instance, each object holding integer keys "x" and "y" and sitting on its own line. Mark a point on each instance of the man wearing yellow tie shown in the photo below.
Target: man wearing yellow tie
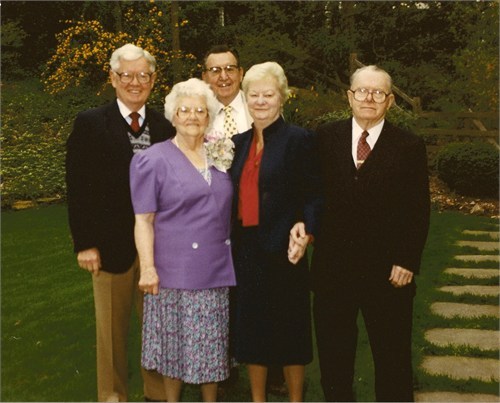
{"x": 222, "y": 71}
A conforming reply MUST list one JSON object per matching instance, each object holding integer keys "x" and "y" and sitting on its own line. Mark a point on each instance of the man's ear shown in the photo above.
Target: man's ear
{"x": 391, "y": 102}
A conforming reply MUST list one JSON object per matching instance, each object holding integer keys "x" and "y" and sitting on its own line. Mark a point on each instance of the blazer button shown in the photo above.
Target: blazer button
{"x": 195, "y": 245}
{"x": 227, "y": 242}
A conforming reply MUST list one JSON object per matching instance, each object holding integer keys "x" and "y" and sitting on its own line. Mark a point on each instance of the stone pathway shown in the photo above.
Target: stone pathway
{"x": 463, "y": 368}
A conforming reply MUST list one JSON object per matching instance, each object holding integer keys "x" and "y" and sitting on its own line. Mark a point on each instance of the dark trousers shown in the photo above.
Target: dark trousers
{"x": 387, "y": 313}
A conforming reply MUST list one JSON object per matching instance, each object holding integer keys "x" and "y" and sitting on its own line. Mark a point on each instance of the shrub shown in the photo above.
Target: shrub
{"x": 397, "y": 116}
{"x": 35, "y": 126}
{"x": 470, "y": 169}
{"x": 305, "y": 105}
{"x": 85, "y": 46}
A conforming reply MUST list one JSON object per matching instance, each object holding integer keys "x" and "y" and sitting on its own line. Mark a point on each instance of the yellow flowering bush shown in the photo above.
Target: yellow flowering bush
{"x": 85, "y": 46}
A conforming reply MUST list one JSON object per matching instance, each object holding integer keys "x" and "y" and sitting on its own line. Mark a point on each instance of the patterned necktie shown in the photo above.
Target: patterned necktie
{"x": 363, "y": 149}
{"x": 230, "y": 128}
{"x": 135, "y": 121}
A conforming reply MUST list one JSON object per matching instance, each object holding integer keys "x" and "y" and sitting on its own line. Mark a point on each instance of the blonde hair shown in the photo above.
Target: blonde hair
{"x": 264, "y": 71}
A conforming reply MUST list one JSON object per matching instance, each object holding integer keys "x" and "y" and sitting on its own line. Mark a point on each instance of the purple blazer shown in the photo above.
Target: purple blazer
{"x": 192, "y": 247}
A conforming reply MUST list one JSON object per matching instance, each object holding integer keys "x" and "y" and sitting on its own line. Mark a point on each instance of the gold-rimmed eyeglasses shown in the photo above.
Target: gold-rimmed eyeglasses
{"x": 127, "y": 78}
{"x": 361, "y": 94}
{"x": 230, "y": 69}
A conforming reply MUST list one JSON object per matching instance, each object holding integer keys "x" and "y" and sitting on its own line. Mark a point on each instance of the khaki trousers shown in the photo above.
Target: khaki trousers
{"x": 114, "y": 297}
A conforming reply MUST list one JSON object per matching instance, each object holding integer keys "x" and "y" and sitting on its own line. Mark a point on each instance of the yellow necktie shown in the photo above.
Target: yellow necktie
{"x": 230, "y": 128}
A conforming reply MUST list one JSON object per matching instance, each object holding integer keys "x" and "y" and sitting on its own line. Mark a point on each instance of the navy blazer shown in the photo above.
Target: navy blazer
{"x": 373, "y": 217}
{"x": 97, "y": 177}
{"x": 289, "y": 188}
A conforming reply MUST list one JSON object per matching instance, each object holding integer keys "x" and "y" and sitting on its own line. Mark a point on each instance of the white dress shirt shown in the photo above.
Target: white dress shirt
{"x": 240, "y": 115}
{"x": 125, "y": 111}
{"x": 374, "y": 134}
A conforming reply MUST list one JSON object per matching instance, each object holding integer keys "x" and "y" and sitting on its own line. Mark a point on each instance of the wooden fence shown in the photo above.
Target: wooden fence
{"x": 440, "y": 128}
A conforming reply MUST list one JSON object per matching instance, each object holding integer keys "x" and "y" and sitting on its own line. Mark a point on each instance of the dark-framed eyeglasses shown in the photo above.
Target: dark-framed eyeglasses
{"x": 185, "y": 111}
{"x": 230, "y": 69}
{"x": 127, "y": 78}
{"x": 361, "y": 94}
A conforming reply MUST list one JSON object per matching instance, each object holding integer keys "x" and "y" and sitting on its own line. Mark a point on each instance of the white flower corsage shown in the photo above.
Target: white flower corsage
{"x": 219, "y": 150}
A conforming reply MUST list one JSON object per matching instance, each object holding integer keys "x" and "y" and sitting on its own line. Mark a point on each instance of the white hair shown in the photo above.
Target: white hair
{"x": 131, "y": 52}
{"x": 191, "y": 88}
{"x": 373, "y": 69}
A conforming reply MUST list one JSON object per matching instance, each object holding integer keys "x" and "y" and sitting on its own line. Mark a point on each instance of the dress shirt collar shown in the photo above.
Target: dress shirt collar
{"x": 237, "y": 104}
{"x": 374, "y": 133}
{"x": 371, "y": 139}
{"x": 125, "y": 111}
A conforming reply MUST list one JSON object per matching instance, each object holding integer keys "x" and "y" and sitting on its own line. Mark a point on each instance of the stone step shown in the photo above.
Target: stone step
{"x": 481, "y": 245}
{"x": 453, "y": 309}
{"x": 477, "y": 258}
{"x": 480, "y": 338}
{"x": 454, "y": 397}
{"x": 491, "y": 234}
{"x": 474, "y": 273}
{"x": 488, "y": 290}
{"x": 463, "y": 368}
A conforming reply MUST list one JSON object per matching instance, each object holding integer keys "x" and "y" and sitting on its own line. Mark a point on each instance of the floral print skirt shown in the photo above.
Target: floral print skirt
{"x": 185, "y": 334}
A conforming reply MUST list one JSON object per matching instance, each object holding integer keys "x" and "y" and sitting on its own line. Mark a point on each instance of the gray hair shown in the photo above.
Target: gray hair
{"x": 131, "y": 52}
{"x": 264, "y": 71}
{"x": 192, "y": 88}
{"x": 374, "y": 69}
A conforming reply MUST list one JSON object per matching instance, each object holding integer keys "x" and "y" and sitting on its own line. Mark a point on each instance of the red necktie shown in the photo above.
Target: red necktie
{"x": 135, "y": 121}
{"x": 363, "y": 149}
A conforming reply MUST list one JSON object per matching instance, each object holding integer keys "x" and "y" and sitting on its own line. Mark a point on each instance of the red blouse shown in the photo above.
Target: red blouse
{"x": 248, "y": 205}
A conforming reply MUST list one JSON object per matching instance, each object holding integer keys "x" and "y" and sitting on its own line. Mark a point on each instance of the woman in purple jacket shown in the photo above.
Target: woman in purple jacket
{"x": 182, "y": 201}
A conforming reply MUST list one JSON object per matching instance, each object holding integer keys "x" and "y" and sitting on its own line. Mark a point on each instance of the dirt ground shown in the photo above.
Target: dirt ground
{"x": 444, "y": 199}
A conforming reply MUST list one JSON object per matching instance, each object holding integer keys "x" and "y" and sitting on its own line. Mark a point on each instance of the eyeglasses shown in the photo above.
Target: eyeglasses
{"x": 127, "y": 78}
{"x": 229, "y": 69}
{"x": 199, "y": 111}
{"x": 361, "y": 94}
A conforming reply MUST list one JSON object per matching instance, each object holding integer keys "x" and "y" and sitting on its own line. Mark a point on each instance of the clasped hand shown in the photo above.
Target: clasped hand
{"x": 149, "y": 282}
{"x": 298, "y": 242}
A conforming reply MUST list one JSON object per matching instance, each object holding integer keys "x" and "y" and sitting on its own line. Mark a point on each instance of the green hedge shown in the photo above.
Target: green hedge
{"x": 35, "y": 126}
{"x": 470, "y": 169}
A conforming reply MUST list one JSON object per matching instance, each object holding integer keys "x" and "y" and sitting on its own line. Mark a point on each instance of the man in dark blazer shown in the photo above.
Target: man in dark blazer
{"x": 372, "y": 233}
{"x": 101, "y": 217}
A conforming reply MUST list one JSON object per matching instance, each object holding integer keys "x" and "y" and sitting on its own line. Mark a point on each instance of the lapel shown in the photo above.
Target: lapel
{"x": 343, "y": 149}
{"x": 383, "y": 153}
{"x": 242, "y": 148}
{"x": 154, "y": 128}
{"x": 118, "y": 130}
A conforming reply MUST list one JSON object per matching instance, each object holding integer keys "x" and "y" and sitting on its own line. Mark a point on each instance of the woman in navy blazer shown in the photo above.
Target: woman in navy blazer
{"x": 275, "y": 195}
{"x": 183, "y": 211}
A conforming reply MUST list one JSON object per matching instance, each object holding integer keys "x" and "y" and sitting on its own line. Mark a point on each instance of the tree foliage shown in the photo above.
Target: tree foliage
{"x": 444, "y": 52}
{"x": 85, "y": 46}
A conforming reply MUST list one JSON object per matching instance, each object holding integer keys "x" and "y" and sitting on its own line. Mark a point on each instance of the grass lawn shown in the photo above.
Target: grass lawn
{"x": 48, "y": 335}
